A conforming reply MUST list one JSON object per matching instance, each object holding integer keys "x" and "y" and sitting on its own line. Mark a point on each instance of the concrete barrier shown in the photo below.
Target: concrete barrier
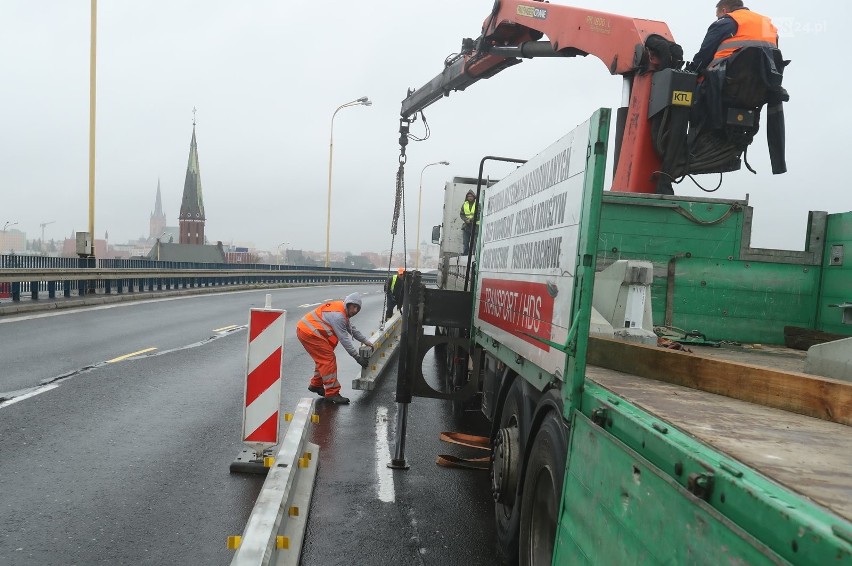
{"x": 276, "y": 526}
{"x": 386, "y": 342}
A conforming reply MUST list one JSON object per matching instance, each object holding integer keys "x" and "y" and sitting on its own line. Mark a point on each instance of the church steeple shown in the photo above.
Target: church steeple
{"x": 158, "y": 217}
{"x": 192, "y": 217}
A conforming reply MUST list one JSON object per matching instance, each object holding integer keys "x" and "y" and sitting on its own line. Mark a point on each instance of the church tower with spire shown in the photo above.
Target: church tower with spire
{"x": 192, "y": 207}
{"x": 158, "y": 217}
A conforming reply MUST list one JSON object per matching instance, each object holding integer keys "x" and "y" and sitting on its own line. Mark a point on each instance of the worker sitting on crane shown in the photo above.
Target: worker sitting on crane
{"x": 741, "y": 69}
{"x": 735, "y": 27}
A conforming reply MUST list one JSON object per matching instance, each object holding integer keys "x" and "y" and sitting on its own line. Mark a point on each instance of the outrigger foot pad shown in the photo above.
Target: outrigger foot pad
{"x": 398, "y": 464}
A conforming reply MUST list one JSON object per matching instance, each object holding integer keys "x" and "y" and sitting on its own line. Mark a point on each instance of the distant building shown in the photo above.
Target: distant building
{"x": 187, "y": 252}
{"x": 192, "y": 217}
{"x": 158, "y": 217}
{"x": 12, "y": 241}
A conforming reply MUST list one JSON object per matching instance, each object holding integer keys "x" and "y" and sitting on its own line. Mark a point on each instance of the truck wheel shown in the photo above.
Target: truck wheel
{"x": 542, "y": 492}
{"x": 506, "y": 456}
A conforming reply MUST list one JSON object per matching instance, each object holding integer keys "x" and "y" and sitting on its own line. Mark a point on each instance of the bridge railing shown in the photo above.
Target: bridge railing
{"x": 35, "y": 275}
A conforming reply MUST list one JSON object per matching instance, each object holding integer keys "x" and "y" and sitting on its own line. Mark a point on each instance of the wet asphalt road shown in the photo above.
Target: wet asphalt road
{"x": 127, "y": 463}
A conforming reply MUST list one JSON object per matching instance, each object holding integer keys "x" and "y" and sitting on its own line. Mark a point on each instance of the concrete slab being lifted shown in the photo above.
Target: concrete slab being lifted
{"x": 386, "y": 342}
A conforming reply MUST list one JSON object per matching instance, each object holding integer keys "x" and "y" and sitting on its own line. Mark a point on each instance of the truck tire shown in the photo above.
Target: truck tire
{"x": 507, "y": 455}
{"x": 542, "y": 493}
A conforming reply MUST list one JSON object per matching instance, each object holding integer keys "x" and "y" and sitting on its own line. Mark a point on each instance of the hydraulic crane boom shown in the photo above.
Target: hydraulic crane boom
{"x": 512, "y": 32}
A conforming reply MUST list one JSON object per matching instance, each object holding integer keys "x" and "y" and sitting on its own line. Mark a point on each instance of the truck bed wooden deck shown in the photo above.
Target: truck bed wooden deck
{"x": 810, "y": 456}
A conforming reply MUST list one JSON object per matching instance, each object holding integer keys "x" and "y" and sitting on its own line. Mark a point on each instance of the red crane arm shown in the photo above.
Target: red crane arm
{"x": 512, "y": 31}
{"x": 618, "y": 41}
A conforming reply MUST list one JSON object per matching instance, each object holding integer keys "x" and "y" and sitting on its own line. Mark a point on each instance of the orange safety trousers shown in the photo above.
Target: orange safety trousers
{"x": 322, "y": 352}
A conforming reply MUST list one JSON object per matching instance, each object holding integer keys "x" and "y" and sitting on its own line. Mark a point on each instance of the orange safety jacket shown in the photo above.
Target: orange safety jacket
{"x": 312, "y": 323}
{"x": 753, "y": 30}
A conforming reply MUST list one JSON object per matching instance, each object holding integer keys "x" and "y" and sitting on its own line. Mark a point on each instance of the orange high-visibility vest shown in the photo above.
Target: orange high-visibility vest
{"x": 312, "y": 323}
{"x": 753, "y": 30}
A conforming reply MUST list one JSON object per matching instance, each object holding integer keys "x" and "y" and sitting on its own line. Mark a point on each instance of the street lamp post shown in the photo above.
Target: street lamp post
{"x": 92, "y": 108}
{"x": 158, "y": 242}
{"x": 363, "y": 101}
{"x": 419, "y": 203}
{"x": 285, "y": 244}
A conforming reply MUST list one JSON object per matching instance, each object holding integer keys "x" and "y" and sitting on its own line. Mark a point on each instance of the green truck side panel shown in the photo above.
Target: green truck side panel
{"x": 717, "y": 291}
{"x": 836, "y": 279}
{"x": 742, "y": 508}
{"x": 752, "y": 301}
{"x": 620, "y": 509}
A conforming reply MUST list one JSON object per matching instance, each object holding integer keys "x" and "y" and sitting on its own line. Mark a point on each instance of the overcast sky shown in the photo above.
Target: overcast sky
{"x": 266, "y": 77}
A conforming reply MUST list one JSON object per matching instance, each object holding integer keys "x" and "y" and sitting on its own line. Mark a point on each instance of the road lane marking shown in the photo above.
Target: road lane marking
{"x": 54, "y": 382}
{"x": 125, "y": 356}
{"x": 306, "y": 305}
{"x": 384, "y": 488}
{"x": 224, "y": 328}
{"x": 33, "y": 393}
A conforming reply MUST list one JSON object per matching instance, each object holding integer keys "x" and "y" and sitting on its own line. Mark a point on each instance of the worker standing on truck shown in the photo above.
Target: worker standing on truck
{"x": 468, "y": 211}
{"x": 735, "y": 27}
{"x": 393, "y": 291}
{"x": 319, "y": 331}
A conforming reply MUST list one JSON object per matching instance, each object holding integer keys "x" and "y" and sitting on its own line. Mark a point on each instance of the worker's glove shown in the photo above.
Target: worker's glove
{"x": 362, "y": 361}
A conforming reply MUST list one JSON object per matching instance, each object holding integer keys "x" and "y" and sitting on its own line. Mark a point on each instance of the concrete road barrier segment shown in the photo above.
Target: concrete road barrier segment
{"x": 276, "y": 526}
{"x": 386, "y": 341}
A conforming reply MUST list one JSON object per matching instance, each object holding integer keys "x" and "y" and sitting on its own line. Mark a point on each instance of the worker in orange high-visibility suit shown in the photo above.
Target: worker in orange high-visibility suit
{"x": 735, "y": 27}
{"x": 319, "y": 331}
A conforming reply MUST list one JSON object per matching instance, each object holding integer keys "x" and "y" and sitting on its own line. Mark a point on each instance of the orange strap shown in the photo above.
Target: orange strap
{"x": 448, "y": 461}
{"x": 479, "y": 442}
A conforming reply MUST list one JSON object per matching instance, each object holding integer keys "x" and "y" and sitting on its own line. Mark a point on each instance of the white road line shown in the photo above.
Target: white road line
{"x": 307, "y": 305}
{"x": 384, "y": 489}
{"x": 33, "y": 393}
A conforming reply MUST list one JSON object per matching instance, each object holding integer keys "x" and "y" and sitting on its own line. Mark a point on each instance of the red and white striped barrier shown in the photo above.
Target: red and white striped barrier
{"x": 264, "y": 370}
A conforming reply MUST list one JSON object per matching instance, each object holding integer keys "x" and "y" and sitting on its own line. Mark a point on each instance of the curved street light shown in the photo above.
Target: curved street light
{"x": 363, "y": 101}
{"x": 7, "y": 224}
{"x": 419, "y": 203}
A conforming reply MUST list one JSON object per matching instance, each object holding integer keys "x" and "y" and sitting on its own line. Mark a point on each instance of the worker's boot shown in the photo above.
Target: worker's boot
{"x": 338, "y": 399}
{"x": 318, "y": 389}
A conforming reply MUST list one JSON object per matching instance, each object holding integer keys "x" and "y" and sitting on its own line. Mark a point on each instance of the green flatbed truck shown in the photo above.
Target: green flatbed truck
{"x": 607, "y": 450}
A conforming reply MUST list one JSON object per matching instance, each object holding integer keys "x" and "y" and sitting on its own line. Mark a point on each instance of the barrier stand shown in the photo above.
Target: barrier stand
{"x": 386, "y": 342}
{"x": 262, "y": 391}
{"x": 276, "y": 526}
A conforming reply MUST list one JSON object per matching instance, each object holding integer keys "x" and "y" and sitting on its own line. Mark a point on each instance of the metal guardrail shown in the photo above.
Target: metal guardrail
{"x": 386, "y": 341}
{"x": 99, "y": 274}
{"x": 276, "y": 526}
{"x": 35, "y": 274}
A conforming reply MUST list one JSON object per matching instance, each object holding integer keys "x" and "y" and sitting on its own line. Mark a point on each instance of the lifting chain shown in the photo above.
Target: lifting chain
{"x": 398, "y": 205}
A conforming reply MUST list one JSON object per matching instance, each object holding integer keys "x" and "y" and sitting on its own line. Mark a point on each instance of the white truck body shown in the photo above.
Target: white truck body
{"x": 529, "y": 240}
